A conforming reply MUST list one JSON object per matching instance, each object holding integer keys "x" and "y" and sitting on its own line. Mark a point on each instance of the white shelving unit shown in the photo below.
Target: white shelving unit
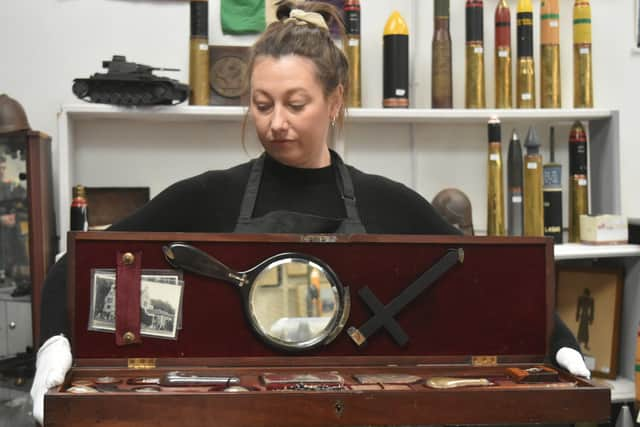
{"x": 407, "y": 157}
{"x": 101, "y": 145}
{"x": 568, "y": 251}
{"x": 185, "y": 113}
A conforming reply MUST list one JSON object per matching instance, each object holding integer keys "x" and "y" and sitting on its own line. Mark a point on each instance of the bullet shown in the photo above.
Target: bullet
{"x": 525, "y": 75}
{"x": 395, "y": 60}
{"x": 578, "y": 184}
{"x": 503, "y": 79}
{"x": 550, "y": 91}
{"x": 533, "y": 209}
{"x": 495, "y": 187}
{"x": 199, "y": 53}
{"x": 441, "y": 75}
{"x": 474, "y": 55}
{"x": 552, "y": 193}
{"x": 352, "y": 50}
{"x": 582, "y": 71}
{"x": 514, "y": 185}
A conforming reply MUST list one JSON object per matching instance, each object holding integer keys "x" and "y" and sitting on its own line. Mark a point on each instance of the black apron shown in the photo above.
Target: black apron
{"x": 282, "y": 221}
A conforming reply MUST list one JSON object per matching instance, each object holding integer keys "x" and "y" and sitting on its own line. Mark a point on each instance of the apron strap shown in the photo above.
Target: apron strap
{"x": 345, "y": 184}
{"x": 251, "y": 191}
{"x": 343, "y": 181}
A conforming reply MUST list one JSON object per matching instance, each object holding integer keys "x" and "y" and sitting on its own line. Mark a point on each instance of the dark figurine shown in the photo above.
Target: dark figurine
{"x": 128, "y": 83}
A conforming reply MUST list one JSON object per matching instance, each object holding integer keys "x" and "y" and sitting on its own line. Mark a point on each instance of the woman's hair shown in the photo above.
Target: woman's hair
{"x": 287, "y": 37}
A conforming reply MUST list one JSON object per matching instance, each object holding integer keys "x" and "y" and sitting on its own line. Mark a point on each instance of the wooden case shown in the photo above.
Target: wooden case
{"x": 492, "y": 312}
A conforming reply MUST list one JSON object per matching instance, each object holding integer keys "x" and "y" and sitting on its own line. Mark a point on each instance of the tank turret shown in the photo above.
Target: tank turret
{"x": 128, "y": 83}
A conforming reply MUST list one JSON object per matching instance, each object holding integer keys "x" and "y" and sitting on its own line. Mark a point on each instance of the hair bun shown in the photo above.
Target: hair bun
{"x": 283, "y": 9}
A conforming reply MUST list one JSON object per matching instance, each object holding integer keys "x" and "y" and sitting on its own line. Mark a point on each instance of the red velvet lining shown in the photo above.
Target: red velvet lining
{"x": 493, "y": 304}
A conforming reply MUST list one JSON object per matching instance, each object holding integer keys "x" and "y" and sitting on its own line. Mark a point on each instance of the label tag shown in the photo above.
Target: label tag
{"x": 503, "y": 53}
{"x": 516, "y": 199}
{"x": 584, "y": 51}
{"x": 494, "y": 156}
{"x": 478, "y": 49}
{"x": 582, "y": 182}
{"x": 354, "y": 42}
{"x": 525, "y": 96}
{"x": 203, "y": 46}
{"x": 400, "y": 92}
{"x": 532, "y": 165}
{"x": 553, "y": 24}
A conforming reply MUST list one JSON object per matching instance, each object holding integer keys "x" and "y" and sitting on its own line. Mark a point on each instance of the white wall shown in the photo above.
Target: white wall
{"x": 44, "y": 44}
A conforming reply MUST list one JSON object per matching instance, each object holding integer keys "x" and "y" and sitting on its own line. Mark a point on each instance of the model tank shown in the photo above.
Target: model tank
{"x": 128, "y": 83}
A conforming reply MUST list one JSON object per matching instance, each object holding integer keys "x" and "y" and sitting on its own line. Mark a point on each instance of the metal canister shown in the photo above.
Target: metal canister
{"x": 352, "y": 50}
{"x": 474, "y": 54}
{"x": 199, "y": 53}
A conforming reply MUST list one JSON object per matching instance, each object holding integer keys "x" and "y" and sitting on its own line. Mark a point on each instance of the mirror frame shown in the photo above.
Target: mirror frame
{"x": 336, "y": 323}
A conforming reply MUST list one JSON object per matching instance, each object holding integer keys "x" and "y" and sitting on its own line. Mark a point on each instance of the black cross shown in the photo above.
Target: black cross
{"x": 383, "y": 315}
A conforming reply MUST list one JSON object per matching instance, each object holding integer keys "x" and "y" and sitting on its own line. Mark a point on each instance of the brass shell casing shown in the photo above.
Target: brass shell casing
{"x": 578, "y": 204}
{"x": 504, "y": 93}
{"x": 526, "y": 83}
{"x": 474, "y": 86}
{"x": 582, "y": 76}
{"x": 550, "y": 89}
{"x": 533, "y": 204}
{"x": 441, "y": 80}
{"x": 495, "y": 191}
{"x": 352, "y": 49}
{"x": 199, "y": 71}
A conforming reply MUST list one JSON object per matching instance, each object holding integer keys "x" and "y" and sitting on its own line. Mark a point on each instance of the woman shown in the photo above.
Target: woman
{"x": 298, "y": 81}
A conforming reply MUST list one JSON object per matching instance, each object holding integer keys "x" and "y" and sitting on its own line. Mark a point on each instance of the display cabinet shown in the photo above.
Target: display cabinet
{"x": 27, "y": 234}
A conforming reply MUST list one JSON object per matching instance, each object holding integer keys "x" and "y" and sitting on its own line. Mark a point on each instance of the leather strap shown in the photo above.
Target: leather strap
{"x": 128, "y": 275}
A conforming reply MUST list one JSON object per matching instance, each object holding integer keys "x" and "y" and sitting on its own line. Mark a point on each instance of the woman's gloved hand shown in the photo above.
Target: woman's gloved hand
{"x": 571, "y": 360}
{"x": 52, "y": 363}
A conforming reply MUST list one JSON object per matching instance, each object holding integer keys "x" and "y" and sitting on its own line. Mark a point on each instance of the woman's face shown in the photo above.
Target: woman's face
{"x": 291, "y": 113}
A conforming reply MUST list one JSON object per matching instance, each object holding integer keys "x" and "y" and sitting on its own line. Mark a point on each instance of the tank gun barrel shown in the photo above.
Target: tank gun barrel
{"x": 166, "y": 69}
{"x": 119, "y": 64}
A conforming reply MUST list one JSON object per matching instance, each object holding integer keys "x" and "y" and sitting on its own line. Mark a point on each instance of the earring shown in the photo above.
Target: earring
{"x": 333, "y": 122}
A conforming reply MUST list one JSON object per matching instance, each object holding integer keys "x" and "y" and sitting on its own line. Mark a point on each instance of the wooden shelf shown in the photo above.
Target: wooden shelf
{"x": 568, "y": 251}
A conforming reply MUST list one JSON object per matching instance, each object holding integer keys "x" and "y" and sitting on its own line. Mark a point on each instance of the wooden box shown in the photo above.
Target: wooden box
{"x": 491, "y": 312}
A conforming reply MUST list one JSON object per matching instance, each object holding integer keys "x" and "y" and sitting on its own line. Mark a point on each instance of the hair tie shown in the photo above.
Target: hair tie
{"x": 300, "y": 17}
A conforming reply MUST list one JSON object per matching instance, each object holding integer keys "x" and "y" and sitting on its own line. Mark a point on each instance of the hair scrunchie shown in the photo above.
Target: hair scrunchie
{"x": 300, "y": 17}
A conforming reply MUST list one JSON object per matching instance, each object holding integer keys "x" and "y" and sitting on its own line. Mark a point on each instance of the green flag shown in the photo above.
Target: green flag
{"x": 242, "y": 16}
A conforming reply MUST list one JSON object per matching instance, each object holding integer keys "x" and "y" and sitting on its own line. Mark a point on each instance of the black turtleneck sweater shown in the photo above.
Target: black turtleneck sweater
{"x": 210, "y": 202}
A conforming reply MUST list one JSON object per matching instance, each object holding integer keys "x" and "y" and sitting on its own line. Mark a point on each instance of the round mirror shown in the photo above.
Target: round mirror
{"x": 293, "y": 301}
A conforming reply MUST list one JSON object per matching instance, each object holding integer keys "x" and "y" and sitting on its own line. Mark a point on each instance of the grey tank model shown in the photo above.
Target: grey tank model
{"x": 128, "y": 83}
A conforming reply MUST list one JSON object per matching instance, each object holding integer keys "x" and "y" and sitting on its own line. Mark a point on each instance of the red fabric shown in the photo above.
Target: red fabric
{"x": 128, "y": 298}
{"x": 492, "y": 304}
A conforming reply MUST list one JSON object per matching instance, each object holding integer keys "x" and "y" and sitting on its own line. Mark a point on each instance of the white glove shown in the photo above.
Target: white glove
{"x": 571, "y": 360}
{"x": 52, "y": 364}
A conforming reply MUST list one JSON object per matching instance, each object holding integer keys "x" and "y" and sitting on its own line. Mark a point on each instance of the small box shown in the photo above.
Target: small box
{"x": 603, "y": 229}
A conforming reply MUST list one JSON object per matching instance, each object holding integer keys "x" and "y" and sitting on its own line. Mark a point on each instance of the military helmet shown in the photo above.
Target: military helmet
{"x": 454, "y": 206}
{"x": 12, "y": 115}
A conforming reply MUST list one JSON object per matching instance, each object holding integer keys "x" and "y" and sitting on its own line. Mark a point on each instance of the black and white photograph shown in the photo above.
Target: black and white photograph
{"x": 160, "y": 303}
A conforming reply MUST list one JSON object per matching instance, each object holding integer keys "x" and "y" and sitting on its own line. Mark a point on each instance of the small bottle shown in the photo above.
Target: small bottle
{"x": 79, "y": 218}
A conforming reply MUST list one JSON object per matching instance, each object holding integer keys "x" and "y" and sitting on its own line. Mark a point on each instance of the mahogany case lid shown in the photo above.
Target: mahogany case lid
{"x": 497, "y": 302}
